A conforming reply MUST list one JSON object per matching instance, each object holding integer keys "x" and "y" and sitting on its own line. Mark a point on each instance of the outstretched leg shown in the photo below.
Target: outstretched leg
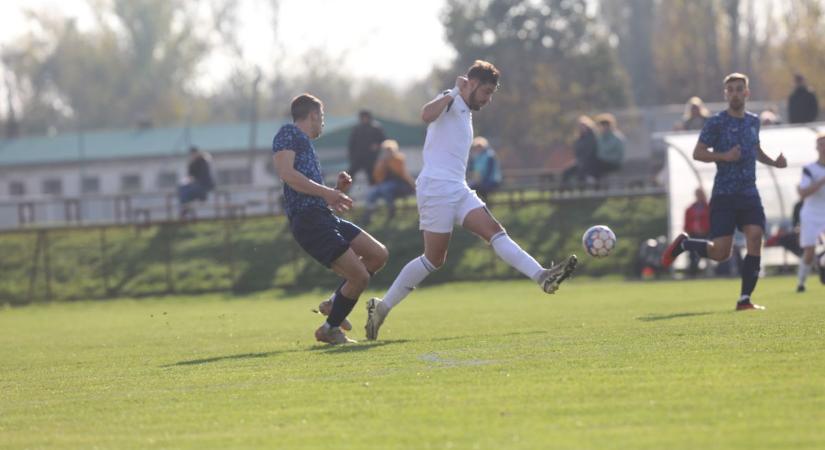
{"x": 481, "y": 222}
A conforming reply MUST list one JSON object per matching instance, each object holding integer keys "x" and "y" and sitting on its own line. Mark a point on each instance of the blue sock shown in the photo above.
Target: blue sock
{"x": 341, "y": 307}
{"x": 750, "y": 274}
{"x": 699, "y": 246}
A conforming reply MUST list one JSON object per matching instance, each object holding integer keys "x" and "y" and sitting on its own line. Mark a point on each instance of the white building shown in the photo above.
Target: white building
{"x": 125, "y": 175}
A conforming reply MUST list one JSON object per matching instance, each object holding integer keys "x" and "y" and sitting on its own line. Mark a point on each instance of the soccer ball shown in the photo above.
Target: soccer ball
{"x": 599, "y": 241}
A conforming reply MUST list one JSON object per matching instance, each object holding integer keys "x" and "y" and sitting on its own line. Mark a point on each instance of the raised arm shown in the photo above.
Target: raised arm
{"x": 284, "y": 166}
{"x": 432, "y": 110}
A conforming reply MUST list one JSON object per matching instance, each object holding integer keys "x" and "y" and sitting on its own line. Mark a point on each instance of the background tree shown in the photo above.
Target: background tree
{"x": 555, "y": 63}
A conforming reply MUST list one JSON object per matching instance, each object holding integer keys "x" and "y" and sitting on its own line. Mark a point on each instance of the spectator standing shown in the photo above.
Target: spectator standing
{"x": 392, "y": 181}
{"x": 198, "y": 182}
{"x": 610, "y": 148}
{"x": 485, "y": 169}
{"x": 364, "y": 145}
{"x": 696, "y": 114}
{"x": 803, "y": 105}
{"x": 697, "y": 223}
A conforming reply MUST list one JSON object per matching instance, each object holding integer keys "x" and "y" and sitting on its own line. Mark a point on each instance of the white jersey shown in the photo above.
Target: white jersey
{"x": 447, "y": 145}
{"x": 814, "y": 205}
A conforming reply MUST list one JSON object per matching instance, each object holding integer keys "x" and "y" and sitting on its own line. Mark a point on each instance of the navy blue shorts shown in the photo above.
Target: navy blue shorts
{"x": 322, "y": 234}
{"x": 732, "y": 212}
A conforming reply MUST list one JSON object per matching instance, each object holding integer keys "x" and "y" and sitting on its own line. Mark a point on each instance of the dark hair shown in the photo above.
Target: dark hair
{"x": 484, "y": 72}
{"x": 194, "y": 149}
{"x": 304, "y": 104}
{"x": 364, "y": 113}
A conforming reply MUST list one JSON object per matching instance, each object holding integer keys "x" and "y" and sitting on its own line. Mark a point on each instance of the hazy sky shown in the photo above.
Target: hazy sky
{"x": 396, "y": 41}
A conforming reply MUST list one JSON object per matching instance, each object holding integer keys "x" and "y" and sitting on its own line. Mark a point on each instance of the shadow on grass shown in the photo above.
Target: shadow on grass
{"x": 326, "y": 348}
{"x": 195, "y": 362}
{"x": 359, "y": 347}
{"x": 656, "y": 317}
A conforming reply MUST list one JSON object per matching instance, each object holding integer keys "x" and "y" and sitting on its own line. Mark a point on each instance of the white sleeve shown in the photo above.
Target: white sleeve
{"x": 807, "y": 178}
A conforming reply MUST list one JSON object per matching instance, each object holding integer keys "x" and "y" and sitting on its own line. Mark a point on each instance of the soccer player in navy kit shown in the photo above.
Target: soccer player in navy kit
{"x": 735, "y": 204}
{"x": 336, "y": 243}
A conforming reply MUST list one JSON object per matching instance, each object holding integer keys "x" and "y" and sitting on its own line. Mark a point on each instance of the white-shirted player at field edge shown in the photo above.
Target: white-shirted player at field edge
{"x": 812, "y": 216}
{"x": 445, "y": 199}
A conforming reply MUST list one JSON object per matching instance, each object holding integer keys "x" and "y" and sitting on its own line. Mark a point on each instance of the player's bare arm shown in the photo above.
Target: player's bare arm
{"x": 432, "y": 110}
{"x": 702, "y": 153}
{"x": 284, "y": 166}
{"x": 780, "y": 162}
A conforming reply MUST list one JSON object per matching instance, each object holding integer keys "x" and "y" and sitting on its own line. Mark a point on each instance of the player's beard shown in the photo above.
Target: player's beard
{"x": 736, "y": 105}
{"x": 473, "y": 104}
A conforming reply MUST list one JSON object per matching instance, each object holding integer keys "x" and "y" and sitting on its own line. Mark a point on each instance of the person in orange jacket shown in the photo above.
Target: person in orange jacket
{"x": 391, "y": 179}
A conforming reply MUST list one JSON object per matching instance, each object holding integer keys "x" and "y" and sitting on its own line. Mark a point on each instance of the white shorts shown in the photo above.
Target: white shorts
{"x": 443, "y": 204}
{"x": 810, "y": 228}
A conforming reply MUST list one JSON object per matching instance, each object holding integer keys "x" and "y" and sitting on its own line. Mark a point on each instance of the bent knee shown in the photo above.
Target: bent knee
{"x": 382, "y": 255}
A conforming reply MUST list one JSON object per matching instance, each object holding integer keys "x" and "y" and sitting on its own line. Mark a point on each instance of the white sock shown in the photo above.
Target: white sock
{"x": 410, "y": 276}
{"x": 804, "y": 270}
{"x": 512, "y": 254}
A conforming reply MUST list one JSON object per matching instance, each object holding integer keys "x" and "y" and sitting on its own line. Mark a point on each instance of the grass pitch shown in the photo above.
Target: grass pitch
{"x": 603, "y": 364}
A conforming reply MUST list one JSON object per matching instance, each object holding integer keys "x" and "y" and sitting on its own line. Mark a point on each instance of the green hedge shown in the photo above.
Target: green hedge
{"x": 259, "y": 253}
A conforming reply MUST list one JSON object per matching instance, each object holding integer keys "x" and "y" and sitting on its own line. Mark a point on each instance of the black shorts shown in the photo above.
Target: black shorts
{"x": 732, "y": 212}
{"x": 322, "y": 234}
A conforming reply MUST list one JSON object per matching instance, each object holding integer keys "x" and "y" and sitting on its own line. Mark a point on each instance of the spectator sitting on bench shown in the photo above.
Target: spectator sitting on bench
{"x": 610, "y": 148}
{"x": 198, "y": 182}
{"x": 584, "y": 148}
{"x": 484, "y": 168}
{"x": 391, "y": 180}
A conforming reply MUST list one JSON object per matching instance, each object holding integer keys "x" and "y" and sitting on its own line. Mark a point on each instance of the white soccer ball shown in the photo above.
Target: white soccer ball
{"x": 599, "y": 241}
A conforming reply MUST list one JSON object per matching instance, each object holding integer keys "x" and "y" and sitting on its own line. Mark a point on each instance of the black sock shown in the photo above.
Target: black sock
{"x": 750, "y": 274}
{"x": 700, "y": 246}
{"x": 341, "y": 307}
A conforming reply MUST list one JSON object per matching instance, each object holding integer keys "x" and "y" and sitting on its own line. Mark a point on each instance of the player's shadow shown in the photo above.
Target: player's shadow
{"x": 326, "y": 348}
{"x": 359, "y": 347}
{"x": 657, "y": 317}
{"x": 196, "y": 362}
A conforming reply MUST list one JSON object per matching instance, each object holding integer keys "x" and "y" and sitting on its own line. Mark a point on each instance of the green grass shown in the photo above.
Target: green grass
{"x": 260, "y": 253}
{"x": 604, "y": 364}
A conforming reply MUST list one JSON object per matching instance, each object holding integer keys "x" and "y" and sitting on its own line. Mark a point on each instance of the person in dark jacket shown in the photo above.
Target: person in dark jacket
{"x": 198, "y": 180}
{"x": 364, "y": 145}
{"x": 584, "y": 148}
{"x": 803, "y": 105}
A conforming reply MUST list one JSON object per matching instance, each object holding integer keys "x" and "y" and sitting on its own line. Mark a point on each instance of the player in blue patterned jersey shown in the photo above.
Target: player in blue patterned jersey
{"x": 336, "y": 243}
{"x": 733, "y": 135}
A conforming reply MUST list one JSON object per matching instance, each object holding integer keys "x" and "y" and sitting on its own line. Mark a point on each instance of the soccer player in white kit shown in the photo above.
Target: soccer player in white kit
{"x": 445, "y": 199}
{"x": 812, "y": 216}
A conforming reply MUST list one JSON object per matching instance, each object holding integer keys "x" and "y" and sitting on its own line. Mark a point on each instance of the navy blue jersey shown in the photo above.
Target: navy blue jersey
{"x": 722, "y": 132}
{"x": 290, "y": 137}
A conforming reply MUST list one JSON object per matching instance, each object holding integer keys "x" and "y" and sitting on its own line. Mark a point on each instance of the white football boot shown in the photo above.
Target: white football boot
{"x": 376, "y": 313}
{"x": 551, "y": 278}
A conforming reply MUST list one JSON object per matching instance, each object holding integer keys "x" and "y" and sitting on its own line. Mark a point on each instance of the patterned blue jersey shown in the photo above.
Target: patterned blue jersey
{"x": 722, "y": 132}
{"x": 290, "y": 137}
